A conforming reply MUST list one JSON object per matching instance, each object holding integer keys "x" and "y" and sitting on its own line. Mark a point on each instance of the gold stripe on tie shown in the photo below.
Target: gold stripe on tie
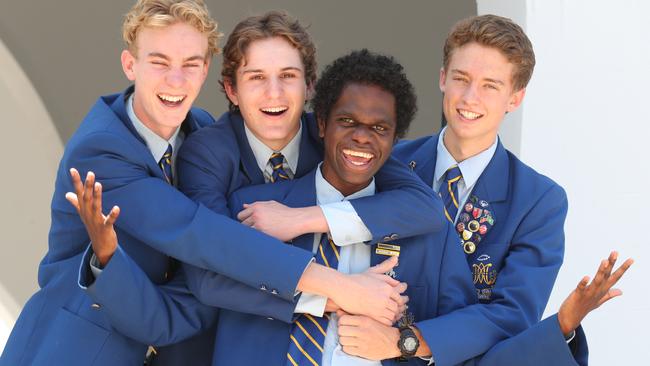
{"x": 303, "y": 351}
{"x": 320, "y": 248}
{"x": 293, "y": 362}
{"x": 451, "y": 192}
{"x": 309, "y": 336}
{"x": 336, "y": 252}
{"x": 447, "y": 215}
{"x": 315, "y": 322}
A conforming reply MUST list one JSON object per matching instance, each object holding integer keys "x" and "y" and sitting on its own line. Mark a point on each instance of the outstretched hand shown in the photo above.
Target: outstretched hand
{"x": 87, "y": 199}
{"x": 589, "y": 296}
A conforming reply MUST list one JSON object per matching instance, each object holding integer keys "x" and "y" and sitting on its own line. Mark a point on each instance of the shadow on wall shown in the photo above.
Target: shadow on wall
{"x": 31, "y": 150}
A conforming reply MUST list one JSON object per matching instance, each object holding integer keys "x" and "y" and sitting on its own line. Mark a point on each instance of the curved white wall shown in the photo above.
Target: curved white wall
{"x": 30, "y": 149}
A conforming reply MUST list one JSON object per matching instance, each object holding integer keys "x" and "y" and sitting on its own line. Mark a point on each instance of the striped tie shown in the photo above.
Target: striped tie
{"x": 165, "y": 164}
{"x": 308, "y": 332}
{"x": 449, "y": 192}
{"x": 277, "y": 163}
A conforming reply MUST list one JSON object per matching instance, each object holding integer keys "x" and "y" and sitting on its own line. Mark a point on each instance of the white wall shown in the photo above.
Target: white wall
{"x": 30, "y": 151}
{"x": 584, "y": 124}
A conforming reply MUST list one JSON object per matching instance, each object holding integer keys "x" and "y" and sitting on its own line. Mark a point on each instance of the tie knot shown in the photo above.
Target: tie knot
{"x": 453, "y": 174}
{"x": 276, "y": 159}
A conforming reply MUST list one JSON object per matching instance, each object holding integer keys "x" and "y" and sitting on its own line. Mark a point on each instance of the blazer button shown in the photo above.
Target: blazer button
{"x": 394, "y": 236}
{"x": 386, "y": 238}
{"x": 263, "y": 287}
{"x": 269, "y": 318}
{"x": 95, "y": 306}
{"x": 274, "y": 292}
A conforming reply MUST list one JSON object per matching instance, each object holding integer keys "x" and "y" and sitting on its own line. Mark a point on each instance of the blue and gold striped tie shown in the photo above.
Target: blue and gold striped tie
{"x": 165, "y": 164}
{"x": 277, "y": 163}
{"x": 308, "y": 332}
{"x": 449, "y": 192}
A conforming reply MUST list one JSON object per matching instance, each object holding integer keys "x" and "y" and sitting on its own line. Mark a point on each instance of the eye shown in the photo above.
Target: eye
{"x": 192, "y": 65}
{"x": 460, "y": 79}
{"x": 287, "y": 75}
{"x": 158, "y": 63}
{"x": 491, "y": 86}
{"x": 346, "y": 121}
{"x": 379, "y": 128}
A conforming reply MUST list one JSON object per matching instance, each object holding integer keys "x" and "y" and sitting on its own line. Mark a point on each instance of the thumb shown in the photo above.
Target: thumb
{"x": 384, "y": 266}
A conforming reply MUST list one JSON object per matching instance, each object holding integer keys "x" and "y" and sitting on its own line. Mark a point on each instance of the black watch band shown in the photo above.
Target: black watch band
{"x": 408, "y": 342}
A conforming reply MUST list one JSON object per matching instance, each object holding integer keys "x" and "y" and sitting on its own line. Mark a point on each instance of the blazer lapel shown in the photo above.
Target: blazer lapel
{"x": 311, "y": 149}
{"x": 423, "y": 162}
{"x": 247, "y": 158}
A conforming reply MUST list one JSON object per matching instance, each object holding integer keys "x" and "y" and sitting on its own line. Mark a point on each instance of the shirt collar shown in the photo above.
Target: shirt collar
{"x": 326, "y": 193}
{"x": 156, "y": 144}
{"x": 262, "y": 152}
{"x": 471, "y": 168}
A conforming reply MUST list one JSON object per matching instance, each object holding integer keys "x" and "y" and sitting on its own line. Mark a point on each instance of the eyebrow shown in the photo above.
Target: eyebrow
{"x": 346, "y": 113}
{"x": 288, "y": 68}
{"x": 165, "y": 57}
{"x": 490, "y": 80}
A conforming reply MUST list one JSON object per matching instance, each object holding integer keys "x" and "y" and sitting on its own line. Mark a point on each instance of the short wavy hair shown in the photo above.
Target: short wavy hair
{"x": 500, "y": 33}
{"x": 259, "y": 27}
{"x": 369, "y": 68}
{"x": 163, "y": 13}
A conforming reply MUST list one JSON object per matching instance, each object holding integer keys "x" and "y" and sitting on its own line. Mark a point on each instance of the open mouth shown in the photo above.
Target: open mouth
{"x": 171, "y": 100}
{"x": 358, "y": 158}
{"x": 274, "y": 111}
{"x": 469, "y": 115}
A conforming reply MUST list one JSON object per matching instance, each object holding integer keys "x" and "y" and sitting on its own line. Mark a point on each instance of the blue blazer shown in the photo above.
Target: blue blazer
{"x": 432, "y": 265}
{"x": 210, "y": 172}
{"x": 61, "y": 324}
{"x": 515, "y": 264}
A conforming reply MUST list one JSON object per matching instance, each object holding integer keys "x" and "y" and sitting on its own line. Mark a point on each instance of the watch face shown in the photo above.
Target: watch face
{"x": 410, "y": 343}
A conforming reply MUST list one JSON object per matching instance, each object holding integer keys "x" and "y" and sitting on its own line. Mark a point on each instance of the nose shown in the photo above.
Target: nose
{"x": 273, "y": 88}
{"x": 470, "y": 93}
{"x": 175, "y": 77}
{"x": 361, "y": 134}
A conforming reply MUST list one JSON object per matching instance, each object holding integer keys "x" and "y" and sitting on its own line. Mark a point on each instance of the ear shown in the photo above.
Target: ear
{"x": 310, "y": 92}
{"x": 321, "y": 128}
{"x": 206, "y": 67}
{"x": 128, "y": 61}
{"x": 231, "y": 91}
{"x": 515, "y": 100}
{"x": 442, "y": 79}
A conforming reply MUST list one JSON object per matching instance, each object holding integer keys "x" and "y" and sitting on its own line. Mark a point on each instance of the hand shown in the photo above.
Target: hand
{"x": 589, "y": 296}
{"x": 364, "y": 337}
{"x": 87, "y": 199}
{"x": 282, "y": 222}
{"x": 331, "y": 306}
{"x": 373, "y": 294}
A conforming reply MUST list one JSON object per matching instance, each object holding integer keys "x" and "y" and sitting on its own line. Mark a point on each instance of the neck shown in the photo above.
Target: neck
{"x": 346, "y": 188}
{"x": 461, "y": 149}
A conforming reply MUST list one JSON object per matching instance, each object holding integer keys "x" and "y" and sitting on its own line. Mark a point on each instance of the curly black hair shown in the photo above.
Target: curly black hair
{"x": 368, "y": 68}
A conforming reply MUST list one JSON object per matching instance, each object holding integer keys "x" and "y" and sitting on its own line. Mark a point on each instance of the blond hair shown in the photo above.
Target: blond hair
{"x": 497, "y": 32}
{"x": 163, "y": 13}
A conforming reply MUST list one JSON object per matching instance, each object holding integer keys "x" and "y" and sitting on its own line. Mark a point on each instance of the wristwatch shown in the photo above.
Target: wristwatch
{"x": 408, "y": 342}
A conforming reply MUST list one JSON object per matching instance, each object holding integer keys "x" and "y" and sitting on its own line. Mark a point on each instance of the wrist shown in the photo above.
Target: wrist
{"x": 312, "y": 220}
{"x": 565, "y": 324}
{"x": 393, "y": 338}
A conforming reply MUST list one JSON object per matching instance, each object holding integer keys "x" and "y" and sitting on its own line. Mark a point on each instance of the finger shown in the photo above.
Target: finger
{"x": 613, "y": 256}
{"x": 349, "y": 320}
{"x": 384, "y": 266}
{"x": 387, "y": 319}
{"x": 97, "y": 199}
{"x": 245, "y": 213}
{"x": 348, "y": 331}
{"x": 582, "y": 285}
{"x": 401, "y": 287}
{"x": 612, "y": 293}
{"x": 621, "y": 271}
{"x": 390, "y": 281}
{"x": 72, "y": 198}
{"x": 112, "y": 216}
{"x": 350, "y": 345}
{"x": 396, "y": 295}
{"x": 403, "y": 300}
{"x": 340, "y": 313}
{"x": 249, "y": 222}
{"x": 76, "y": 182}
{"x": 393, "y": 307}
{"x": 88, "y": 188}
{"x": 600, "y": 275}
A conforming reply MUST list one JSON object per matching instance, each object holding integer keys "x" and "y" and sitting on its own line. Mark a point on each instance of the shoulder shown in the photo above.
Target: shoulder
{"x": 405, "y": 149}
{"x": 202, "y": 117}
{"x": 530, "y": 182}
{"x": 216, "y": 139}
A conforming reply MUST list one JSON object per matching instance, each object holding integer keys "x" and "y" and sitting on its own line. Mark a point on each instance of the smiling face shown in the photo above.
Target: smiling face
{"x": 168, "y": 70}
{"x": 358, "y": 135}
{"x": 270, "y": 91}
{"x": 478, "y": 91}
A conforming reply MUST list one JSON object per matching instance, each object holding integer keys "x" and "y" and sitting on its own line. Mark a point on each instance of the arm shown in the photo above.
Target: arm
{"x": 362, "y": 219}
{"x": 545, "y": 342}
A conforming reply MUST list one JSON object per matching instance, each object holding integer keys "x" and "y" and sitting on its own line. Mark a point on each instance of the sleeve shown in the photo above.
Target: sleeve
{"x": 520, "y": 293}
{"x": 141, "y": 310}
{"x": 155, "y": 213}
{"x": 541, "y": 344}
{"x": 345, "y": 226}
{"x": 405, "y": 206}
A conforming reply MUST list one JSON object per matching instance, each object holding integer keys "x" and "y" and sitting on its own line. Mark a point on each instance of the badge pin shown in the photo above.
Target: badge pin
{"x": 467, "y": 234}
{"x": 460, "y": 227}
{"x": 477, "y": 212}
{"x": 469, "y": 247}
{"x": 473, "y": 226}
{"x": 469, "y": 207}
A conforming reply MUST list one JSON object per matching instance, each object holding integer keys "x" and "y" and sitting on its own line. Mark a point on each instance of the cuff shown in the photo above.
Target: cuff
{"x": 311, "y": 304}
{"x": 346, "y": 227}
